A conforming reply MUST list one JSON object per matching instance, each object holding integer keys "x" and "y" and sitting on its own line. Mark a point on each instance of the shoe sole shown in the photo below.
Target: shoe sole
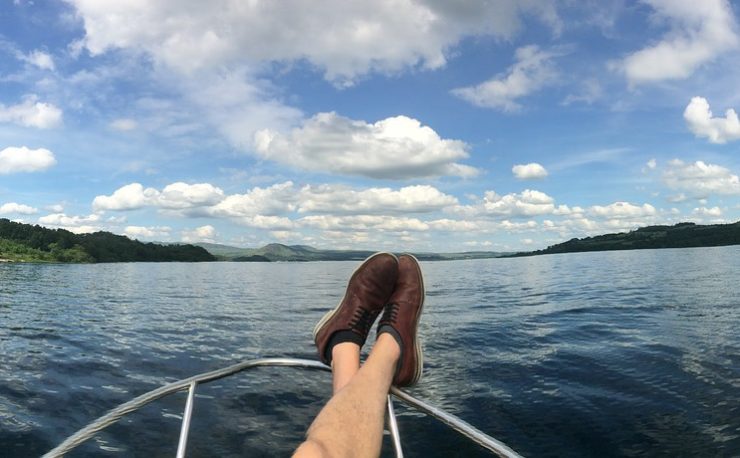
{"x": 330, "y": 314}
{"x": 418, "y": 371}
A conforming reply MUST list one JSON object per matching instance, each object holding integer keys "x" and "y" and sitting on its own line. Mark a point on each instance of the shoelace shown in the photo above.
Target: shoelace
{"x": 362, "y": 321}
{"x": 390, "y": 314}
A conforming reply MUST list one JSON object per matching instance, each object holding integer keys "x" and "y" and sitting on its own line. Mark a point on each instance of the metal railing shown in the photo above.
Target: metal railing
{"x": 190, "y": 384}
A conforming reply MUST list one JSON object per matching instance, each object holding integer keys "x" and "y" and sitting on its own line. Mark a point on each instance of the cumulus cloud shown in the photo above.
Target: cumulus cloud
{"x": 32, "y": 113}
{"x": 452, "y": 225}
{"x": 285, "y": 235}
{"x": 622, "y": 210}
{"x": 22, "y": 159}
{"x": 205, "y": 233}
{"x": 714, "y": 212}
{"x": 700, "y": 179}
{"x": 344, "y": 39}
{"x": 531, "y": 171}
{"x": 276, "y": 199}
{"x": 175, "y": 196}
{"x": 141, "y": 232}
{"x": 700, "y": 31}
{"x": 532, "y": 71}
{"x": 76, "y": 224}
{"x": 19, "y": 209}
{"x": 517, "y": 226}
{"x": 702, "y": 123}
{"x": 182, "y": 195}
{"x": 343, "y": 199}
{"x": 394, "y": 148}
{"x": 264, "y": 207}
{"x": 214, "y": 54}
{"x": 363, "y": 222}
{"x": 129, "y": 197}
{"x": 528, "y": 203}
{"x": 269, "y": 222}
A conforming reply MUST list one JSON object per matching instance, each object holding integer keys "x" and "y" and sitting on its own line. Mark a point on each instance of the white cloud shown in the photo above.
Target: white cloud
{"x": 700, "y": 179}
{"x": 175, "y": 196}
{"x": 141, "y": 232}
{"x": 39, "y": 59}
{"x": 395, "y": 148}
{"x": 265, "y": 207}
{"x": 129, "y": 197}
{"x": 344, "y": 39}
{"x": 343, "y": 199}
{"x": 532, "y": 71}
{"x": 527, "y": 203}
{"x": 76, "y": 224}
{"x": 451, "y": 225}
{"x": 363, "y": 223}
{"x": 714, "y": 212}
{"x": 273, "y": 200}
{"x": 22, "y": 159}
{"x": 700, "y": 31}
{"x": 268, "y": 222}
{"x": 531, "y": 171}
{"x": 622, "y": 210}
{"x": 32, "y": 113}
{"x": 214, "y": 54}
{"x": 285, "y": 235}
{"x": 124, "y": 124}
{"x": 182, "y": 195}
{"x": 205, "y": 233}
{"x": 699, "y": 118}
{"x": 14, "y": 208}
{"x": 517, "y": 226}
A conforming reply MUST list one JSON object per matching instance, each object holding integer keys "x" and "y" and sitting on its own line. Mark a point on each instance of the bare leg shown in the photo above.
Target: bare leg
{"x": 345, "y": 362}
{"x": 351, "y": 423}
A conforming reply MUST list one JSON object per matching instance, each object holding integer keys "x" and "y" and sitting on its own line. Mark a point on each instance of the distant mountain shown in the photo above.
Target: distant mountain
{"x": 298, "y": 253}
{"x": 26, "y": 242}
{"x": 681, "y": 235}
{"x": 223, "y": 251}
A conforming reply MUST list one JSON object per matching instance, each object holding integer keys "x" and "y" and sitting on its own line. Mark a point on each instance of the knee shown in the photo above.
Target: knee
{"x": 312, "y": 448}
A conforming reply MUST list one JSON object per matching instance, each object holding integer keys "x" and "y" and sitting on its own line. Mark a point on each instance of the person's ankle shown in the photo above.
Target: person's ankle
{"x": 345, "y": 349}
{"x": 389, "y": 344}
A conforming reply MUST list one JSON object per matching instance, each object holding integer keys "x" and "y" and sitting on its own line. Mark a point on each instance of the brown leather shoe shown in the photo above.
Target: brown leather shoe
{"x": 401, "y": 320}
{"x": 367, "y": 292}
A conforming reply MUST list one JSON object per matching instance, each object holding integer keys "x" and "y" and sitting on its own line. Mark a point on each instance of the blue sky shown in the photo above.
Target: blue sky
{"x": 425, "y": 125}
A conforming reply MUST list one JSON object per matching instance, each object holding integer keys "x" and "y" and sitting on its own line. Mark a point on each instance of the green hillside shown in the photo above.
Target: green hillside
{"x": 681, "y": 235}
{"x": 25, "y": 242}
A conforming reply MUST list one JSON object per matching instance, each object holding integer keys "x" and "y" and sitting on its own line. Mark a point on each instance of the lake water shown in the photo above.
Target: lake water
{"x": 630, "y": 353}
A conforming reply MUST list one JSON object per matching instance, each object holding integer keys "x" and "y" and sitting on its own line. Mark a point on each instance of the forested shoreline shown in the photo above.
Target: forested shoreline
{"x": 33, "y": 243}
{"x": 681, "y": 235}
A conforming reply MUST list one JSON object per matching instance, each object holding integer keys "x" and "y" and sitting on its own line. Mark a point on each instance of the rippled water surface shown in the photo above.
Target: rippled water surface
{"x": 596, "y": 354}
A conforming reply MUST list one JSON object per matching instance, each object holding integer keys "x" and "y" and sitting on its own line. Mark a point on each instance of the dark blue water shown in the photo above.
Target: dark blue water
{"x": 596, "y": 354}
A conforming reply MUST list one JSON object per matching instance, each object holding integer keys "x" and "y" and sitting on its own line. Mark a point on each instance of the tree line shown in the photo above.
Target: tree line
{"x": 64, "y": 246}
